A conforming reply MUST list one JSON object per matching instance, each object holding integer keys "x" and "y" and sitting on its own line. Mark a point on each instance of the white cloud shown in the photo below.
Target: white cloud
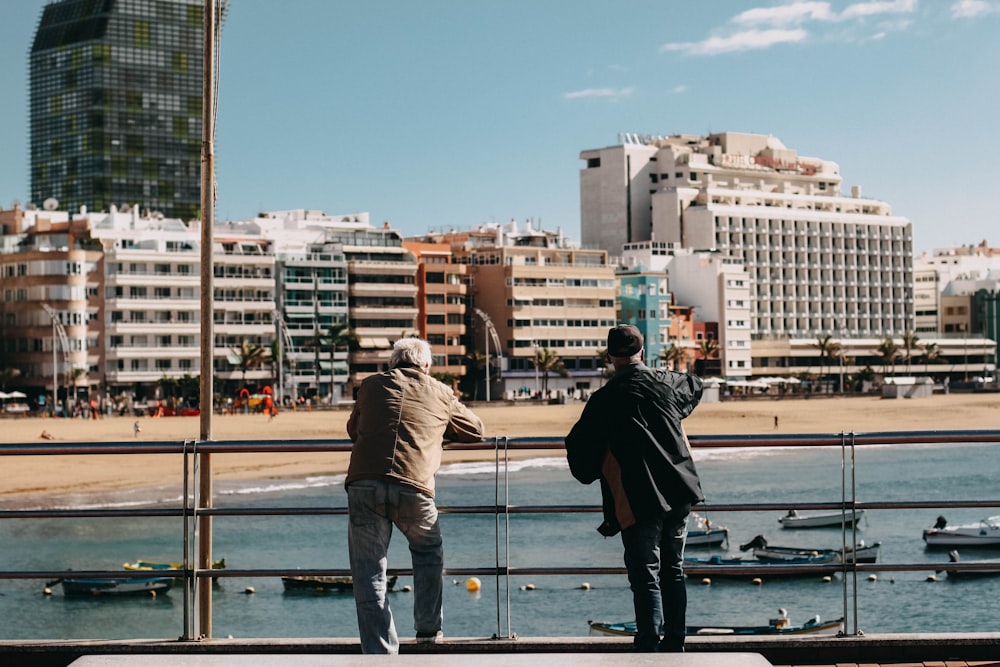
{"x": 742, "y": 41}
{"x": 965, "y": 9}
{"x": 611, "y": 93}
{"x": 791, "y": 14}
{"x": 782, "y": 24}
{"x": 679, "y": 89}
{"x": 863, "y": 9}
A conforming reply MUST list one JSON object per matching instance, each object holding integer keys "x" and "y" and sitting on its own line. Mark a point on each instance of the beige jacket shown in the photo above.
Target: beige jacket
{"x": 398, "y": 424}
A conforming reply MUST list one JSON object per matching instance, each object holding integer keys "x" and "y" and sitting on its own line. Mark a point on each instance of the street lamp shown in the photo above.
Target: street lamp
{"x": 58, "y": 334}
{"x": 534, "y": 346}
{"x": 490, "y": 332}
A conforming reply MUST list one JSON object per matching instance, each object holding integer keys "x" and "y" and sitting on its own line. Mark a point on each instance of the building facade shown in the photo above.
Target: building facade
{"x": 539, "y": 295}
{"x": 116, "y": 105}
{"x": 818, "y": 262}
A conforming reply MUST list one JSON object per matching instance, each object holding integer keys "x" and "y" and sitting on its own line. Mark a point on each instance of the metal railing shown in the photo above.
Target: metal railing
{"x": 192, "y": 509}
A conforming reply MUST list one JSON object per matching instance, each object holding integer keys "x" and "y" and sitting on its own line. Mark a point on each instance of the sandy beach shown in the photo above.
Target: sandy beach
{"x": 59, "y": 475}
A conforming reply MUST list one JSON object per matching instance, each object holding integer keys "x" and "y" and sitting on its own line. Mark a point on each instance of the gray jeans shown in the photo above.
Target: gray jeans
{"x": 374, "y": 507}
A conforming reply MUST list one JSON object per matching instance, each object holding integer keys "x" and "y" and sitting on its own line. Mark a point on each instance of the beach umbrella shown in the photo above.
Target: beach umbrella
{"x": 4, "y": 395}
{"x": 17, "y": 394}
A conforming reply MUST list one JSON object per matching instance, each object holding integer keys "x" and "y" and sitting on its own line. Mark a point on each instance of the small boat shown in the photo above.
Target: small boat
{"x": 325, "y": 584}
{"x": 865, "y": 553}
{"x": 991, "y": 567}
{"x": 775, "y": 626}
{"x": 704, "y": 533}
{"x": 717, "y": 566}
{"x": 835, "y": 519}
{"x": 152, "y": 565}
{"x": 986, "y": 533}
{"x": 92, "y": 587}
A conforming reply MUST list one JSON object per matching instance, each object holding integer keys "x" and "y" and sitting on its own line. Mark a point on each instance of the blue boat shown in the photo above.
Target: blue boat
{"x": 718, "y": 566}
{"x": 92, "y": 587}
{"x": 776, "y": 626}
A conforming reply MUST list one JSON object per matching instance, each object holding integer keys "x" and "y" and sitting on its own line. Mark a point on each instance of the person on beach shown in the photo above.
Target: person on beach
{"x": 399, "y": 422}
{"x": 629, "y": 436}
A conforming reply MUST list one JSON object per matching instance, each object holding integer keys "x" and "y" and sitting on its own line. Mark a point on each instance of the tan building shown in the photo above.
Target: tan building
{"x": 51, "y": 279}
{"x": 442, "y": 293}
{"x": 540, "y": 295}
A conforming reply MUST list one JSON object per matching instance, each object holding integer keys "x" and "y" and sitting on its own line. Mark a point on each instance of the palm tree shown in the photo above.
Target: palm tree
{"x": 6, "y": 375}
{"x": 548, "y": 361}
{"x": 476, "y": 363}
{"x": 888, "y": 352}
{"x": 602, "y": 362}
{"x": 931, "y": 355}
{"x": 675, "y": 356}
{"x": 825, "y": 345}
{"x": 909, "y": 344}
{"x": 247, "y": 357}
{"x": 708, "y": 348}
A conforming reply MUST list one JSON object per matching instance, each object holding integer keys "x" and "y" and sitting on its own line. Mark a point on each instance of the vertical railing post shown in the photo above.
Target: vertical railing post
{"x": 203, "y": 558}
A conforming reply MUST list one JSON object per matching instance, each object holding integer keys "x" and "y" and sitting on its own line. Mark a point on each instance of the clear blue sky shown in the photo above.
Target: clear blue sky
{"x": 448, "y": 113}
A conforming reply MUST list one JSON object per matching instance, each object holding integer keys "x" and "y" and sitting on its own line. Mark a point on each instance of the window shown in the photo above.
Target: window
{"x": 593, "y": 163}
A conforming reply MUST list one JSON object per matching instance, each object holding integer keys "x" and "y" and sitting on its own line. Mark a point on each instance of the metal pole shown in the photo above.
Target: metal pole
{"x": 486, "y": 338}
{"x": 55, "y": 367}
{"x": 204, "y": 541}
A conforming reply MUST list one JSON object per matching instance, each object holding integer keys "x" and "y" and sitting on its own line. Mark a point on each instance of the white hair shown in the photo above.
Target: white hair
{"x": 411, "y": 352}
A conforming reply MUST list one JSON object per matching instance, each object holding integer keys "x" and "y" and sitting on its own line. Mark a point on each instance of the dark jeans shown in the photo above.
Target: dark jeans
{"x": 654, "y": 558}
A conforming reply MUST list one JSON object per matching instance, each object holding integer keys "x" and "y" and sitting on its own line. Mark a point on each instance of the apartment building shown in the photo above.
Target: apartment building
{"x": 710, "y": 300}
{"x": 51, "y": 282}
{"x": 442, "y": 294}
{"x": 818, "y": 262}
{"x": 536, "y": 292}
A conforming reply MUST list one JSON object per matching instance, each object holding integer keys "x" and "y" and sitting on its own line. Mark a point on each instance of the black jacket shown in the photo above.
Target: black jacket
{"x": 630, "y": 437}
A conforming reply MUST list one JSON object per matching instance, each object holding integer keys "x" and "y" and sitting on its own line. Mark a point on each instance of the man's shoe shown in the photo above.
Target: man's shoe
{"x": 429, "y": 637}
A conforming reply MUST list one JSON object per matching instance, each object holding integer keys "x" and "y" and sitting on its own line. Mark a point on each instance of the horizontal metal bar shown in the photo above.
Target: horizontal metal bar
{"x": 498, "y": 442}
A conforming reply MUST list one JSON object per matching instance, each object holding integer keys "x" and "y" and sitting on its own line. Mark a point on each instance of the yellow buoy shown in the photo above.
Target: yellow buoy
{"x": 931, "y": 577}
{"x": 407, "y": 588}
{"x": 827, "y": 579}
{"x": 872, "y": 577}
{"x": 47, "y": 591}
{"x": 249, "y": 590}
{"x": 757, "y": 581}
{"x": 473, "y": 584}
{"x": 585, "y": 586}
{"x": 152, "y": 594}
{"x": 706, "y": 581}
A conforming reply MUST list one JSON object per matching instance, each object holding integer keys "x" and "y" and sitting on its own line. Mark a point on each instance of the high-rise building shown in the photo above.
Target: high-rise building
{"x": 116, "y": 105}
{"x": 818, "y": 262}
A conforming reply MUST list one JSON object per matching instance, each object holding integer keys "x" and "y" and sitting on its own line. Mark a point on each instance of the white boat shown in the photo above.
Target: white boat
{"x": 985, "y": 533}
{"x": 794, "y": 520}
{"x": 704, "y": 533}
{"x": 990, "y": 567}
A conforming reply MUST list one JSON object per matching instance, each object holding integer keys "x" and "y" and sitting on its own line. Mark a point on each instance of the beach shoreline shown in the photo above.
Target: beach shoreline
{"x": 31, "y": 479}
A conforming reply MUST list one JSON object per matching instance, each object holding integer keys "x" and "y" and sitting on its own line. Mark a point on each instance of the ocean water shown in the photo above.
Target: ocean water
{"x": 539, "y": 605}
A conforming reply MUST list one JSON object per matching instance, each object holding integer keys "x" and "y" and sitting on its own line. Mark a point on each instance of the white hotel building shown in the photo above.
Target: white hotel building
{"x": 818, "y": 262}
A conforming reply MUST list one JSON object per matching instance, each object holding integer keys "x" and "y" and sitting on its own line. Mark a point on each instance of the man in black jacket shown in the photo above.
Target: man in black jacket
{"x": 630, "y": 438}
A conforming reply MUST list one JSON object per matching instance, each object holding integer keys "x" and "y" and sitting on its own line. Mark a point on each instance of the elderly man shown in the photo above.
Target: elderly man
{"x": 629, "y": 436}
{"x": 399, "y": 422}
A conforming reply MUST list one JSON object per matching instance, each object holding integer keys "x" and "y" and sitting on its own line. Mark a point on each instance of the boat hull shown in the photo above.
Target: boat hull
{"x": 864, "y": 554}
{"x": 986, "y": 533}
{"x": 813, "y": 626}
{"x": 115, "y": 586}
{"x": 822, "y": 520}
{"x": 707, "y": 538}
{"x": 325, "y": 584}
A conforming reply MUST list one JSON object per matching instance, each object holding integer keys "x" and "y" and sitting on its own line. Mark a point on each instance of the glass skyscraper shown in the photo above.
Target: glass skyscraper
{"x": 116, "y": 105}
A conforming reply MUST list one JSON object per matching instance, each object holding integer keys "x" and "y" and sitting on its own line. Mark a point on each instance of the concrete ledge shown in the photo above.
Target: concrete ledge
{"x": 436, "y": 660}
{"x": 777, "y": 650}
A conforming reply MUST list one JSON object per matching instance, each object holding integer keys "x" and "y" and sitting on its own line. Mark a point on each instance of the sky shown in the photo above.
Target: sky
{"x": 444, "y": 114}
